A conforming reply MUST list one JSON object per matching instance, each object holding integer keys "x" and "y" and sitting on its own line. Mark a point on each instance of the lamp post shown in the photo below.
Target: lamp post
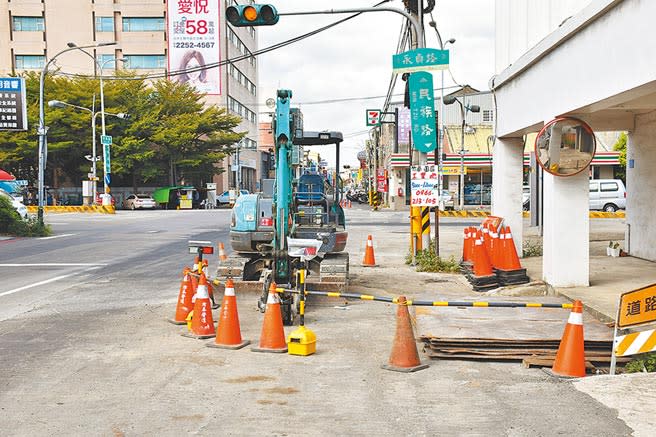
{"x": 94, "y": 114}
{"x": 448, "y": 100}
{"x": 101, "y": 65}
{"x": 42, "y": 130}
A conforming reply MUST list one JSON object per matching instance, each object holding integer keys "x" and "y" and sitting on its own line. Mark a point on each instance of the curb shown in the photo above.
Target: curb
{"x": 603, "y": 318}
{"x": 86, "y": 209}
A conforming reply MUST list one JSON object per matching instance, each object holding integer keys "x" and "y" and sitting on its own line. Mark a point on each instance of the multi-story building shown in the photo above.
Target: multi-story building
{"x": 152, "y": 36}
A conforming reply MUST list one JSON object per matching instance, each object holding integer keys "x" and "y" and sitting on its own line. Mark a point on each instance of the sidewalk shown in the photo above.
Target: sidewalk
{"x": 609, "y": 277}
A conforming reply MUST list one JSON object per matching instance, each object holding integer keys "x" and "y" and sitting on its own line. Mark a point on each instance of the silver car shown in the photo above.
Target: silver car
{"x": 139, "y": 201}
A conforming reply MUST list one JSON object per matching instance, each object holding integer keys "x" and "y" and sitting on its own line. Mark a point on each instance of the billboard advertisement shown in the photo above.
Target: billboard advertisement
{"x": 194, "y": 42}
{"x": 13, "y": 104}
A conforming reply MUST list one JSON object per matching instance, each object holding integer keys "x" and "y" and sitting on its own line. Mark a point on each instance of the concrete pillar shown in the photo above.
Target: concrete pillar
{"x": 640, "y": 188}
{"x": 507, "y": 181}
{"x": 566, "y": 241}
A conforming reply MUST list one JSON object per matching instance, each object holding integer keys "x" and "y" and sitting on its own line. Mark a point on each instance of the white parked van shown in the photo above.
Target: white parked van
{"x": 607, "y": 195}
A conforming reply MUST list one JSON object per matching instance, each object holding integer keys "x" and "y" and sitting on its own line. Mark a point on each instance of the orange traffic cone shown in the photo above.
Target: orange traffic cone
{"x": 508, "y": 259}
{"x": 481, "y": 260}
{"x": 349, "y": 203}
{"x": 185, "y": 303}
{"x": 228, "y": 333}
{"x": 495, "y": 248}
{"x": 369, "y": 258}
{"x": 404, "y": 356}
{"x": 467, "y": 245}
{"x": 570, "y": 359}
{"x": 272, "y": 338}
{"x": 222, "y": 254}
{"x": 202, "y": 324}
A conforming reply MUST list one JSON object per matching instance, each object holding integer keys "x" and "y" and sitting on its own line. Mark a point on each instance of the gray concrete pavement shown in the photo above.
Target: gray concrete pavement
{"x": 94, "y": 355}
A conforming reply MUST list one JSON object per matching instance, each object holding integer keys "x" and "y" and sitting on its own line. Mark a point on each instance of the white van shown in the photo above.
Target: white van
{"x": 607, "y": 195}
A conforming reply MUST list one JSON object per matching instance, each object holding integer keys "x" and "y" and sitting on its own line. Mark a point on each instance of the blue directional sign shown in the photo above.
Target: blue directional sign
{"x": 106, "y": 139}
{"x": 420, "y": 60}
{"x": 108, "y": 179}
{"x": 422, "y": 111}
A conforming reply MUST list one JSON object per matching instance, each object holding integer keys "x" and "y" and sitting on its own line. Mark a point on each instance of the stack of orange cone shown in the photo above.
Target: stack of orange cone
{"x": 570, "y": 359}
{"x": 404, "y": 356}
{"x": 369, "y": 258}
{"x": 185, "y": 300}
{"x": 482, "y": 277}
{"x": 509, "y": 270}
{"x": 272, "y": 338}
{"x": 228, "y": 333}
{"x": 202, "y": 323}
{"x": 495, "y": 248}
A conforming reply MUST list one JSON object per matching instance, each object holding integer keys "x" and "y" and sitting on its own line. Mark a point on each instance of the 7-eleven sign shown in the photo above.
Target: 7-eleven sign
{"x": 373, "y": 117}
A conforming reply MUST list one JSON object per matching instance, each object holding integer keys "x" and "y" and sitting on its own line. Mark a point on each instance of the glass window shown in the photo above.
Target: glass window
{"x": 143, "y": 24}
{"x": 105, "y": 61}
{"x": 609, "y": 186}
{"x": 145, "y": 62}
{"x": 28, "y": 24}
{"x": 104, "y": 24}
{"x": 30, "y": 62}
{"x": 594, "y": 187}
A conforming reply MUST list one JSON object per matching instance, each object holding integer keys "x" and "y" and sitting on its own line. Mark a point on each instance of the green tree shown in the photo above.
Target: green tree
{"x": 171, "y": 132}
{"x": 620, "y": 146}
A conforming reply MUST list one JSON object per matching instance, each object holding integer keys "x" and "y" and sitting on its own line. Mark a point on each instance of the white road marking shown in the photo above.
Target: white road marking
{"x": 47, "y": 281}
{"x": 56, "y": 236}
{"x": 55, "y": 265}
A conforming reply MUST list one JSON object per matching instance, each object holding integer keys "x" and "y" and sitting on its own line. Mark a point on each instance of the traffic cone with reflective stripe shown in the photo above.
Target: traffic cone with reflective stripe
{"x": 570, "y": 359}
{"x": 495, "y": 248}
{"x": 228, "y": 333}
{"x": 482, "y": 264}
{"x": 272, "y": 338}
{"x": 369, "y": 258}
{"x": 210, "y": 287}
{"x": 185, "y": 303}
{"x": 222, "y": 255}
{"x": 508, "y": 259}
{"x": 404, "y": 356}
{"x": 202, "y": 324}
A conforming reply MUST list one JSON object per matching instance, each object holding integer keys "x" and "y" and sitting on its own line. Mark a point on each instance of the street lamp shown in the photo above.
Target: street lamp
{"x": 42, "y": 130}
{"x": 93, "y": 159}
{"x": 448, "y": 100}
{"x": 100, "y": 65}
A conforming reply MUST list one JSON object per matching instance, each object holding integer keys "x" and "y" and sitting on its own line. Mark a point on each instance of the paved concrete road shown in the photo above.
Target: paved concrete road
{"x": 92, "y": 354}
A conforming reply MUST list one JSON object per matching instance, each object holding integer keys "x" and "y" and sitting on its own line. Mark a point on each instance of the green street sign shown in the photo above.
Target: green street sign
{"x": 422, "y": 111}
{"x": 106, "y": 139}
{"x": 420, "y": 60}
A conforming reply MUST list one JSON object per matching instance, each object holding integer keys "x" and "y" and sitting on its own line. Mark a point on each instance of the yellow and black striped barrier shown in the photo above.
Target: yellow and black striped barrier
{"x": 465, "y": 213}
{"x": 98, "y": 209}
{"x": 425, "y": 223}
{"x": 409, "y": 302}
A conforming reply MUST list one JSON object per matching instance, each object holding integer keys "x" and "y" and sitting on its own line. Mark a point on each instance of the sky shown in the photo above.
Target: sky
{"x": 354, "y": 59}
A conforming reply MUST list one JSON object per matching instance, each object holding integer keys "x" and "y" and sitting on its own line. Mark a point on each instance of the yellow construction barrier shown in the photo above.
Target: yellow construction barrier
{"x": 593, "y": 214}
{"x": 98, "y": 209}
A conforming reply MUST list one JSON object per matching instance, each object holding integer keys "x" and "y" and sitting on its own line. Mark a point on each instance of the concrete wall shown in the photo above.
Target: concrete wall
{"x": 640, "y": 187}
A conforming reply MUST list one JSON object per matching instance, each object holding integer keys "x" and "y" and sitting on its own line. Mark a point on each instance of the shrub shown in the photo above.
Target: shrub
{"x": 11, "y": 223}
{"x": 646, "y": 362}
{"x": 532, "y": 248}
{"x": 427, "y": 261}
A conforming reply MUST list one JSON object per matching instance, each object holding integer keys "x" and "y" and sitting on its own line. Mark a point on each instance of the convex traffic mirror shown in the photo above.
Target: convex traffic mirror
{"x": 565, "y": 146}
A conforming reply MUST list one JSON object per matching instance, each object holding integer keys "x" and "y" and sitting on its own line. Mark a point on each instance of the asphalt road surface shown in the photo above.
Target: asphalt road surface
{"x": 85, "y": 349}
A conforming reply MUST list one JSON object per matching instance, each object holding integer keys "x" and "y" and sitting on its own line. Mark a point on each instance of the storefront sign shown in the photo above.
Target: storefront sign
{"x": 424, "y": 185}
{"x": 381, "y": 180}
{"x": 193, "y": 31}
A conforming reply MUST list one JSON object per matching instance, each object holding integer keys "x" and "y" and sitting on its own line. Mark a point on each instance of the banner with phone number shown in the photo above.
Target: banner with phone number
{"x": 424, "y": 185}
{"x": 194, "y": 41}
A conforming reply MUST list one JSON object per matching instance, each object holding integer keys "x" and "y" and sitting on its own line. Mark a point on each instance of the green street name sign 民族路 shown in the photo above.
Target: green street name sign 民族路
{"x": 422, "y": 111}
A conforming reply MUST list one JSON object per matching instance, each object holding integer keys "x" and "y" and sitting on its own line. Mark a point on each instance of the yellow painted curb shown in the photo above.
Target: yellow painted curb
{"x": 97, "y": 209}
